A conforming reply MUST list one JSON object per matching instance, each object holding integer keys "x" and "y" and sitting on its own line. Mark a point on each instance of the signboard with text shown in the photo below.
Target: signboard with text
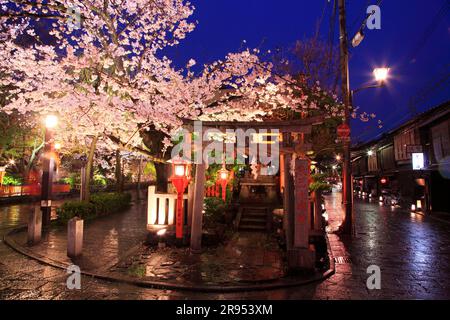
{"x": 343, "y": 130}
{"x": 301, "y": 183}
{"x": 418, "y": 162}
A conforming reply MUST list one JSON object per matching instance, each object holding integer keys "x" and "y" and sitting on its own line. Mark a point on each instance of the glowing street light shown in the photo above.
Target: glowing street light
{"x": 51, "y": 121}
{"x": 48, "y": 166}
{"x": 381, "y": 74}
{"x": 370, "y": 153}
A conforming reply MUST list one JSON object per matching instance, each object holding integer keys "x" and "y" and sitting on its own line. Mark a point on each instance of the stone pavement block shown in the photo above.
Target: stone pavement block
{"x": 413, "y": 255}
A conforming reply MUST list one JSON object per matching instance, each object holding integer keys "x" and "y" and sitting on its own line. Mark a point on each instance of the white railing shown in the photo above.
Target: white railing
{"x": 161, "y": 208}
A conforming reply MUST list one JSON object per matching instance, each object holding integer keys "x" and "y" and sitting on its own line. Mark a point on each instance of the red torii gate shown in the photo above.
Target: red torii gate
{"x": 297, "y": 219}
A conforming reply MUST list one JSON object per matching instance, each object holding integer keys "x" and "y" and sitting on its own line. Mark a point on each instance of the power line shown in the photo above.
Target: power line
{"x": 430, "y": 29}
{"x": 321, "y": 17}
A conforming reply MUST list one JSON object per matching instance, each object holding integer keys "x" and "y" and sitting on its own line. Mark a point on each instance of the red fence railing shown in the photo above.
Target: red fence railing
{"x": 213, "y": 191}
{"x": 30, "y": 190}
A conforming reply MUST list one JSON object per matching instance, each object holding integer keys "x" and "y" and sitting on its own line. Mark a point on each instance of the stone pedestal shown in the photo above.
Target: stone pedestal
{"x": 74, "y": 237}
{"x": 34, "y": 226}
{"x": 301, "y": 256}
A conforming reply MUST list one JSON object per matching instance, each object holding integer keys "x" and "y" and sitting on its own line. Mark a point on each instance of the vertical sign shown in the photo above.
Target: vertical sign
{"x": 180, "y": 222}
{"x": 417, "y": 161}
{"x": 301, "y": 182}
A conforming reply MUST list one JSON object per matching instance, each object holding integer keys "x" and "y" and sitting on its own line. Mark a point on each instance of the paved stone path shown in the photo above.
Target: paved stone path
{"x": 105, "y": 240}
{"x": 246, "y": 258}
{"x": 412, "y": 251}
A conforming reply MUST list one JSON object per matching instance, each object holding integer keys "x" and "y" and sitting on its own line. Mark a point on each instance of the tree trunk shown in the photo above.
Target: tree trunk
{"x": 162, "y": 176}
{"x": 122, "y": 177}
{"x": 138, "y": 191}
{"x": 89, "y": 165}
{"x": 31, "y": 161}
{"x": 118, "y": 172}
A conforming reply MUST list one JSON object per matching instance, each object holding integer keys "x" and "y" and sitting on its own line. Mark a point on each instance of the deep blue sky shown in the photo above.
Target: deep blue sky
{"x": 223, "y": 24}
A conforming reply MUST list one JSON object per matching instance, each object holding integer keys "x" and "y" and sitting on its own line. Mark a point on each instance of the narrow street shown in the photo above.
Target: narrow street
{"x": 411, "y": 250}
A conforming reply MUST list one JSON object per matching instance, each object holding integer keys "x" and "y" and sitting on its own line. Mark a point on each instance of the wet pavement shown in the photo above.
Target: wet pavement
{"x": 105, "y": 239}
{"x": 248, "y": 257}
{"x": 412, "y": 251}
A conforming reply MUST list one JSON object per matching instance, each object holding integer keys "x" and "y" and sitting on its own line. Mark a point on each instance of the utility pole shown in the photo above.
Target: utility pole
{"x": 347, "y": 226}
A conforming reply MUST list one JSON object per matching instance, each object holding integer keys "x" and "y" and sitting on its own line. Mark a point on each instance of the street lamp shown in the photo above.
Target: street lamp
{"x": 381, "y": 74}
{"x": 48, "y": 165}
{"x": 338, "y": 157}
{"x": 51, "y": 121}
{"x": 180, "y": 179}
{"x": 223, "y": 180}
{"x": 370, "y": 153}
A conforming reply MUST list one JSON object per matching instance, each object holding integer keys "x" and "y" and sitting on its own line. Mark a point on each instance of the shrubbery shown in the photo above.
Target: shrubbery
{"x": 214, "y": 211}
{"x": 10, "y": 180}
{"x": 106, "y": 203}
{"x": 100, "y": 204}
{"x": 70, "y": 209}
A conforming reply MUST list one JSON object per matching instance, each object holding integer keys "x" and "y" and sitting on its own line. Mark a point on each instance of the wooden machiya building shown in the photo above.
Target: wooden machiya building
{"x": 393, "y": 162}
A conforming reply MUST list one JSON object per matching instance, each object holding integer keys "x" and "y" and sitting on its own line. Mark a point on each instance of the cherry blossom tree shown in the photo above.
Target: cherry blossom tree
{"x": 99, "y": 66}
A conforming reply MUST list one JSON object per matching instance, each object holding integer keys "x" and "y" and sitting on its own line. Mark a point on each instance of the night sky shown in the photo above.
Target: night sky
{"x": 413, "y": 42}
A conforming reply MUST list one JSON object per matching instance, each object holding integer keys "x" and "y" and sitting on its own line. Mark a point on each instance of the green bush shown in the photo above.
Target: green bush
{"x": 214, "y": 211}
{"x": 9, "y": 180}
{"x": 72, "y": 179}
{"x": 106, "y": 203}
{"x": 100, "y": 204}
{"x": 99, "y": 180}
{"x": 319, "y": 182}
{"x": 70, "y": 209}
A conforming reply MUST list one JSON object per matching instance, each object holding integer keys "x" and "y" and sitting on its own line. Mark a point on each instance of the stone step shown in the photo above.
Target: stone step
{"x": 257, "y": 210}
{"x": 253, "y": 221}
{"x": 252, "y": 227}
{"x": 254, "y": 214}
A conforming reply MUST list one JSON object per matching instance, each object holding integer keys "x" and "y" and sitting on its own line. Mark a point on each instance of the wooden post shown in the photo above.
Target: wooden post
{"x": 197, "y": 212}
{"x": 74, "y": 237}
{"x": 83, "y": 183}
{"x": 190, "y": 204}
{"x": 48, "y": 166}
{"x": 35, "y": 226}
{"x": 282, "y": 172}
{"x": 138, "y": 187}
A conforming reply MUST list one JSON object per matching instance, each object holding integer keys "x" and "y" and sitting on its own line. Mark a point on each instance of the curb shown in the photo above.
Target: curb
{"x": 273, "y": 284}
